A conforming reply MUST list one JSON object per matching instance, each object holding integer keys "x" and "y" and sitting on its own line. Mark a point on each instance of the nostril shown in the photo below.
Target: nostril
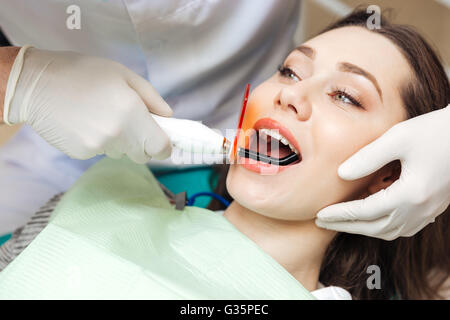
{"x": 278, "y": 102}
{"x": 290, "y": 106}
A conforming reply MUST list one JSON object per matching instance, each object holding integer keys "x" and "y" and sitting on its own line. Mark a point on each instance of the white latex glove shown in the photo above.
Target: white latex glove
{"x": 422, "y": 192}
{"x": 86, "y": 106}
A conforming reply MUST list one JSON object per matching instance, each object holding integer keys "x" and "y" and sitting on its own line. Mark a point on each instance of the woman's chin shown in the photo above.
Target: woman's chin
{"x": 283, "y": 196}
{"x": 261, "y": 200}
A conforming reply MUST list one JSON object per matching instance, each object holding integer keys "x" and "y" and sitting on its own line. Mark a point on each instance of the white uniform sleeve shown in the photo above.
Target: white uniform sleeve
{"x": 31, "y": 173}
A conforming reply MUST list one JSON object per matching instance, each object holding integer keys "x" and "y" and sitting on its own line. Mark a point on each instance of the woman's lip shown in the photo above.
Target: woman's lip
{"x": 261, "y": 167}
{"x": 269, "y": 123}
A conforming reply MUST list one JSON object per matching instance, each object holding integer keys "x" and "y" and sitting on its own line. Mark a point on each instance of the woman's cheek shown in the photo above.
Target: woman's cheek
{"x": 334, "y": 139}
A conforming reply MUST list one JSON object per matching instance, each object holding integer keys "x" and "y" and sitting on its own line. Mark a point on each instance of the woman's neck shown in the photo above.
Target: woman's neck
{"x": 298, "y": 246}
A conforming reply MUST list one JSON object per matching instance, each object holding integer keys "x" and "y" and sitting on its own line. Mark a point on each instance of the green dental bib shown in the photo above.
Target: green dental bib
{"x": 114, "y": 235}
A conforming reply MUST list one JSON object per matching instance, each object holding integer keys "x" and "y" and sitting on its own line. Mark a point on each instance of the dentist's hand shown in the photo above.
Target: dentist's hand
{"x": 86, "y": 106}
{"x": 422, "y": 192}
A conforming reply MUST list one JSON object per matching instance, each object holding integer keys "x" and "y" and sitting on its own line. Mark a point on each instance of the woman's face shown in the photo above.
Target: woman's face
{"x": 335, "y": 94}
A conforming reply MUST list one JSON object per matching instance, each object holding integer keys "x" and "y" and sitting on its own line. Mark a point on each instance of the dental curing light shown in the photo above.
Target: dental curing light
{"x": 194, "y": 137}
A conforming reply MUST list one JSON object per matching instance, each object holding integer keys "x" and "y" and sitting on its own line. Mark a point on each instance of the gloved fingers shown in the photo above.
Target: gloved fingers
{"x": 114, "y": 155}
{"x": 156, "y": 142}
{"x": 138, "y": 157}
{"x": 380, "y": 204}
{"x": 133, "y": 147}
{"x": 145, "y": 139}
{"x": 113, "y": 151}
{"x": 412, "y": 231}
{"x": 380, "y": 228}
{"x": 372, "y": 157}
{"x": 154, "y": 102}
{"x": 77, "y": 152}
{"x": 83, "y": 149}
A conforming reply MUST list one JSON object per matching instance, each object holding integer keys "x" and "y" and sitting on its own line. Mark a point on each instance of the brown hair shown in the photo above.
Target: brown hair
{"x": 411, "y": 268}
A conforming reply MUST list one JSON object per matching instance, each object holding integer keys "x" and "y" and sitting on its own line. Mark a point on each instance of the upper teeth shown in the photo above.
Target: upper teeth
{"x": 277, "y": 135}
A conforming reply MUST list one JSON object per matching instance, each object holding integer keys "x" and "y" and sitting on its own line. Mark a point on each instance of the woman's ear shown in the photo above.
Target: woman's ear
{"x": 384, "y": 177}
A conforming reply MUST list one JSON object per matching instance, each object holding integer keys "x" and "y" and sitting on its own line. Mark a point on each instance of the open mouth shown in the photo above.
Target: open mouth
{"x": 271, "y": 144}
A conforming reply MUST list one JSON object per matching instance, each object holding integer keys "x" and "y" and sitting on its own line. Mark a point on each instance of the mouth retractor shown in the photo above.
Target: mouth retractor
{"x": 246, "y": 153}
{"x": 250, "y": 154}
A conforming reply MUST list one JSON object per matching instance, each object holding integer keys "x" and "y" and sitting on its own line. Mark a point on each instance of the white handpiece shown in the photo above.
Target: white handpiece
{"x": 192, "y": 136}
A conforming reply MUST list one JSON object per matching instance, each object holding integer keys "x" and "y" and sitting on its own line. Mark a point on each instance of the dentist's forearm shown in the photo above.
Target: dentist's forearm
{"x": 7, "y": 57}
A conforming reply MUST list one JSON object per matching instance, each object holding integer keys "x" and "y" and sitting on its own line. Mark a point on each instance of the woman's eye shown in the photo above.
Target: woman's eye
{"x": 288, "y": 73}
{"x": 344, "y": 97}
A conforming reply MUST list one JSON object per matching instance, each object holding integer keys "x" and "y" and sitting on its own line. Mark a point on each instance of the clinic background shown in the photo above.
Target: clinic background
{"x": 430, "y": 17}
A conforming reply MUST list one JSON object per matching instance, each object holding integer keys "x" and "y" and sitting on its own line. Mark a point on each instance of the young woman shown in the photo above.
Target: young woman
{"x": 332, "y": 95}
{"x": 335, "y": 94}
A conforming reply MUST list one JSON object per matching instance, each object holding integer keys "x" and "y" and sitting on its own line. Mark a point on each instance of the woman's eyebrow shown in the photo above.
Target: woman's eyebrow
{"x": 344, "y": 67}
{"x": 307, "y": 51}
{"x": 348, "y": 67}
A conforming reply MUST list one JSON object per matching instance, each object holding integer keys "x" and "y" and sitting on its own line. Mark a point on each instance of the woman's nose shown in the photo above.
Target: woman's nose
{"x": 289, "y": 100}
